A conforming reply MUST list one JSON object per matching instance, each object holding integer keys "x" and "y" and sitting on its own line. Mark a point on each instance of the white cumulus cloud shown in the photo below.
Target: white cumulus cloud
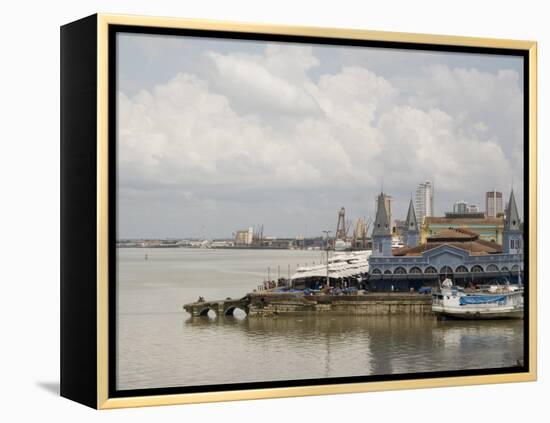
{"x": 259, "y": 126}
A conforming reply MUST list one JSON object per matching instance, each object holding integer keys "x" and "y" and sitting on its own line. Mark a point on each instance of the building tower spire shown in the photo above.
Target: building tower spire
{"x": 512, "y": 222}
{"x": 411, "y": 225}
{"x": 381, "y": 233}
{"x": 512, "y": 236}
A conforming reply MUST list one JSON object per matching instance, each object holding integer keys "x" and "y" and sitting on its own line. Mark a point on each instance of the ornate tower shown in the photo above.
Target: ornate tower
{"x": 411, "y": 232}
{"x": 381, "y": 233}
{"x": 512, "y": 236}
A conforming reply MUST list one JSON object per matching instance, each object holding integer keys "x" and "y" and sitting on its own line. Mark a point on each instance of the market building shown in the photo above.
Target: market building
{"x": 459, "y": 253}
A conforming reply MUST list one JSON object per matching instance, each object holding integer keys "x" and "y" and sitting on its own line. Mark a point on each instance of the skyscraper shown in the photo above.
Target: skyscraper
{"x": 460, "y": 207}
{"x": 493, "y": 204}
{"x": 424, "y": 200}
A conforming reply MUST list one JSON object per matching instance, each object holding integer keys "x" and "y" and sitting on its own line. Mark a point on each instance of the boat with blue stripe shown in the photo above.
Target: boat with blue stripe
{"x": 502, "y": 302}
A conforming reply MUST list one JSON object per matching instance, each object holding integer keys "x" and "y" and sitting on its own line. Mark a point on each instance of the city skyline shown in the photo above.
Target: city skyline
{"x": 316, "y": 128}
{"x": 352, "y": 218}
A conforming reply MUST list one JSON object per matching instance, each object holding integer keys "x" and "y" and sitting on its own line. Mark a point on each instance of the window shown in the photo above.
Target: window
{"x": 446, "y": 270}
{"x": 461, "y": 269}
{"x": 376, "y": 272}
{"x": 477, "y": 269}
{"x": 415, "y": 270}
{"x": 492, "y": 268}
{"x": 430, "y": 269}
{"x": 400, "y": 271}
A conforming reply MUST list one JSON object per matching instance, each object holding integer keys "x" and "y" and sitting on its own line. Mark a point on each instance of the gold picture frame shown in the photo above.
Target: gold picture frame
{"x": 86, "y": 380}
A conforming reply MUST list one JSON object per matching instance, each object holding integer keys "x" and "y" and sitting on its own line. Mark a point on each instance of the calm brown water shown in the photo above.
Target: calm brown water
{"x": 159, "y": 345}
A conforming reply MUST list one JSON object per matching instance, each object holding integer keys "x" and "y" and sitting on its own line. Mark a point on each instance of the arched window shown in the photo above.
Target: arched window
{"x": 415, "y": 270}
{"x": 504, "y": 269}
{"x": 387, "y": 272}
{"x": 477, "y": 269}
{"x": 461, "y": 269}
{"x": 400, "y": 271}
{"x": 430, "y": 269}
{"x": 376, "y": 272}
{"x": 515, "y": 268}
{"x": 492, "y": 268}
{"x": 445, "y": 270}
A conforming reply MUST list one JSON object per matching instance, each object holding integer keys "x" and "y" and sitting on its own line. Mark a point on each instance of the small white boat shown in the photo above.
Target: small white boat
{"x": 500, "y": 303}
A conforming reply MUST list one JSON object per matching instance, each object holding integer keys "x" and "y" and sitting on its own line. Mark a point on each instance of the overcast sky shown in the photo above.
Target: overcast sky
{"x": 216, "y": 135}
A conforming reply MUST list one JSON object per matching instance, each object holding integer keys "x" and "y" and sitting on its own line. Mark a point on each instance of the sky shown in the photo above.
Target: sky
{"x": 218, "y": 135}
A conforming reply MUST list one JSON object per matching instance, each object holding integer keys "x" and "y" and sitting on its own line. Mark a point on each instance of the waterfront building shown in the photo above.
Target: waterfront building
{"x": 455, "y": 252}
{"x": 424, "y": 200}
{"x": 493, "y": 204}
{"x": 360, "y": 240}
{"x": 244, "y": 236}
{"x": 488, "y": 228}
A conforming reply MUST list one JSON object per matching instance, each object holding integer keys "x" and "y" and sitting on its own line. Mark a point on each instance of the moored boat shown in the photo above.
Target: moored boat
{"x": 502, "y": 303}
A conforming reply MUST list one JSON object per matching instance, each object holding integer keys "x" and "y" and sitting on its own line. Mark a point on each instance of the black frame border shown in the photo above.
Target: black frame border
{"x": 113, "y": 30}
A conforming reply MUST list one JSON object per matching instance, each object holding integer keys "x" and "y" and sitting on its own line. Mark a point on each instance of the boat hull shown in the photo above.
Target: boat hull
{"x": 479, "y": 314}
{"x": 454, "y": 303}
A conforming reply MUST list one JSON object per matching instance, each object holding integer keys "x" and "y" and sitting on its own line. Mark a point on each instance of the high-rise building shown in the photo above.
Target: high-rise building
{"x": 424, "y": 200}
{"x": 244, "y": 236}
{"x": 460, "y": 207}
{"x": 493, "y": 204}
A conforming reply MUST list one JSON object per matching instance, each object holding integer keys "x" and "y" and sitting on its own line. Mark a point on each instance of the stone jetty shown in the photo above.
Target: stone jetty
{"x": 268, "y": 303}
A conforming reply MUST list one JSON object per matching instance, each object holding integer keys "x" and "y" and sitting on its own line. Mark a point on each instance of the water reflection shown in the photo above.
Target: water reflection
{"x": 375, "y": 345}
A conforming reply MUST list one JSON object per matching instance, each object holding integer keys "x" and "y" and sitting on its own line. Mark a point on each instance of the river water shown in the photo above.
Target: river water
{"x": 159, "y": 345}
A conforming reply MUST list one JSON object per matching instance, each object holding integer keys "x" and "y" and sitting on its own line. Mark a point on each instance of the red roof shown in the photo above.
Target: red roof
{"x": 456, "y": 237}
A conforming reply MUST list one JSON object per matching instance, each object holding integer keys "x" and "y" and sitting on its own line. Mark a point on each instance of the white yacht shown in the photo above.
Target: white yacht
{"x": 499, "y": 302}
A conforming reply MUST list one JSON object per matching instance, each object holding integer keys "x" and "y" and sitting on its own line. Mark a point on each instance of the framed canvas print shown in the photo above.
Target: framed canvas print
{"x": 256, "y": 211}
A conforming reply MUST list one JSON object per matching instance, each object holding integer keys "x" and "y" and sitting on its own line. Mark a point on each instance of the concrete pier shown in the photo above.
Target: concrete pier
{"x": 273, "y": 304}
